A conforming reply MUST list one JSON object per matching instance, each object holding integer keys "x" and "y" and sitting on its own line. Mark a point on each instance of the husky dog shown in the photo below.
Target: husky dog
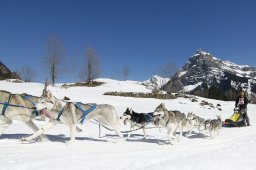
{"x": 69, "y": 114}
{"x": 213, "y": 126}
{"x": 19, "y": 107}
{"x": 171, "y": 120}
{"x": 139, "y": 120}
{"x": 195, "y": 122}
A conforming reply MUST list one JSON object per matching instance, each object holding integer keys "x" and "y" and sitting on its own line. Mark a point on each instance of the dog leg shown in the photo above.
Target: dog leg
{"x": 72, "y": 134}
{"x": 210, "y": 132}
{"x": 170, "y": 138}
{"x": 4, "y": 124}
{"x": 32, "y": 125}
{"x": 181, "y": 132}
{"x": 116, "y": 128}
{"x": 144, "y": 132}
{"x": 47, "y": 126}
{"x": 129, "y": 133}
{"x": 214, "y": 133}
{"x": 174, "y": 131}
{"x": 189, "y": 132}
{"x": 218, "y": 132}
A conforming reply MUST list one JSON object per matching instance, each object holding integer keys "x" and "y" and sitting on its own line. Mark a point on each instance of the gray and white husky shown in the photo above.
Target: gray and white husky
{"x": 195, "y": 122}
{"x": 51, "y": 107}
{"x": 213, "y": 126}
{"x": 171, "y": 120}
{"x": 17, "y": 107}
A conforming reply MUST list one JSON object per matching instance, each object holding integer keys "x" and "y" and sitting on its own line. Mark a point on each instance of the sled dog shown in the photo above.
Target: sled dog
{"x": 139, "y": 120}
{"x": 19, "y": 107}
{"x": 213, "y": 126}
{"x": 171, "y": 120}
{"x": 68, "y": 113}
{"x": 195, "y": 122}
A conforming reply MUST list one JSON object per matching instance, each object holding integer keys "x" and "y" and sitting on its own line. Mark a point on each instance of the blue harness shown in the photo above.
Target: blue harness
{"x": 7, "y": 103}
{"x": 85, "y": 112}
{"x": 148, "y": 117}
{"x": 27, "y": 97}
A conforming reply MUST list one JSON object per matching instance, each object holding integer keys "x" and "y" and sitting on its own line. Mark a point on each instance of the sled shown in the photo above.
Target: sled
{"x": 236, "y": 120}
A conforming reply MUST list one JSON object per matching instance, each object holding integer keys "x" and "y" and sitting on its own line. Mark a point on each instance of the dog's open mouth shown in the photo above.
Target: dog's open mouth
{"x": 45, "y": 112}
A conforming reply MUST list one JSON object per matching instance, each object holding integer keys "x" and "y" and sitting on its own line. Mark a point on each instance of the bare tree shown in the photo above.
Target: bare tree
{"x": 54, "y": 58}
{"x": 93, "y": 68}
{"x": 125, "y": 72}
{"x": 26, "y": 73}
{"x": 169, "y": 69}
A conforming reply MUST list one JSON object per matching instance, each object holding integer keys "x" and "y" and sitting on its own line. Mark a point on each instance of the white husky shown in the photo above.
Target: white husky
{"x": 171, "y": 120}
{"x": 70, "y": 114}
{"x": 17, "y": 107}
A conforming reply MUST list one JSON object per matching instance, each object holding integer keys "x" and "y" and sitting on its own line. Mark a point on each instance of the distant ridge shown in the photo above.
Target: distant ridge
{"x": 5, "y": 73}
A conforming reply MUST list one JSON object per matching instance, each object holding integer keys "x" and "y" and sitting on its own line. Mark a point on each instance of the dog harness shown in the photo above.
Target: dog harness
{"x": 85, "y": 112}
{"x": 78, "y": 105}
{"x": 27, "y": 97}
{"x": 59, "y": 114}
{"x": 5, "y": 105}
{"x": 168, "y": 118}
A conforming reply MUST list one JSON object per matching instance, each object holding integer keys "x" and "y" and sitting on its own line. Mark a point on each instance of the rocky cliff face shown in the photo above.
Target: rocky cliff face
{"x": 5, "y": 73}
{"x": 207, "y": 76}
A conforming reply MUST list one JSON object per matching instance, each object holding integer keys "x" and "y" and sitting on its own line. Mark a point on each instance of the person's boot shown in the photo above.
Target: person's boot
{"x": 247, "y": 120}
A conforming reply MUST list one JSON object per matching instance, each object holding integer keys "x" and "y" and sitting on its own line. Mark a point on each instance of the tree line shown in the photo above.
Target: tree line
{"x": 54, "y": 64}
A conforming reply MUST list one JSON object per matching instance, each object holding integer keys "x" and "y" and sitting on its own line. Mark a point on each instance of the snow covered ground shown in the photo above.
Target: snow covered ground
{"x": 234, "y": 148}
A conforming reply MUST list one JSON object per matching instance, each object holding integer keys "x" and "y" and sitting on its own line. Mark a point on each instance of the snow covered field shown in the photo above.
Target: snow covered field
{"x": 234, "y": 148}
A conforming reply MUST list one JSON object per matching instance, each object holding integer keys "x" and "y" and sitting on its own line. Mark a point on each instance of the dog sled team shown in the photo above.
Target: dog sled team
{"x": 23, "y": 107}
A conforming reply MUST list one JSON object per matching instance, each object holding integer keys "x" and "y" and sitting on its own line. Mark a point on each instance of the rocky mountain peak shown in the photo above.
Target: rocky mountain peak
{"x": 203, "y": 73}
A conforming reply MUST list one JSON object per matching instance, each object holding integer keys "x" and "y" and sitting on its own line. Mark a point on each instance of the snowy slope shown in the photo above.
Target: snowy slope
{"x": 234, "y": 148}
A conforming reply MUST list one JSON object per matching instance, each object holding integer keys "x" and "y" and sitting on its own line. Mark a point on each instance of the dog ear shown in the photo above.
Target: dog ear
{"x": 46, "y": 84}
{"x": 163, "y": 104}
{"x": 48, "y": 94}
{"x": 130, "y": 110}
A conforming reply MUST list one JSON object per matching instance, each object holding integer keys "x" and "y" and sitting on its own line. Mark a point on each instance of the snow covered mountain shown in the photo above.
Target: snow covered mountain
{"x": 208, "y": 76}
{"x": 155, "y": 82}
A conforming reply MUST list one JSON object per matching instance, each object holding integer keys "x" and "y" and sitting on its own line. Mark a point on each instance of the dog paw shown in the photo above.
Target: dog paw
{"x": 44, "y": 139}
{"x": 171, "y": 143}
{"x": 24, "y": 139}
{"x": 71, "y": 142}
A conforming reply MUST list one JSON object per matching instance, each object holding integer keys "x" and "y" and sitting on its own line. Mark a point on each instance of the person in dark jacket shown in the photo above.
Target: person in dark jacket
{"x": 241, "y": 103}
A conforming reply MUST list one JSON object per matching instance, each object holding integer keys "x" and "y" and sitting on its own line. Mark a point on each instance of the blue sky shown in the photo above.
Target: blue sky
{"x": 140, "y": 34}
